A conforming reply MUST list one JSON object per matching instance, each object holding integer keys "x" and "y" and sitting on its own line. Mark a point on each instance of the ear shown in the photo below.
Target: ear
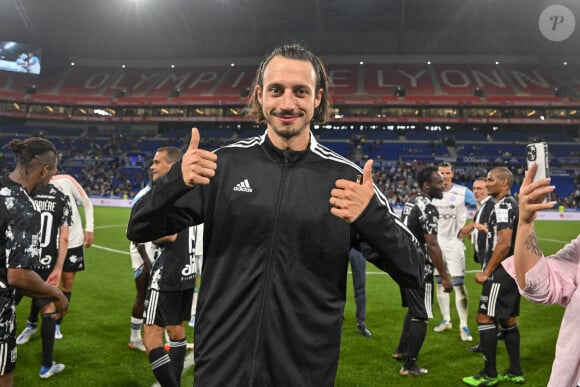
{"x": 258, "y": 91}
{"x": 44, "y": 172}
{"x": 318, "y": 98}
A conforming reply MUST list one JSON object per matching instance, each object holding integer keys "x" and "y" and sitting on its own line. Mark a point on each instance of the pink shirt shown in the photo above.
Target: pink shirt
{"x": 554, "y": 280}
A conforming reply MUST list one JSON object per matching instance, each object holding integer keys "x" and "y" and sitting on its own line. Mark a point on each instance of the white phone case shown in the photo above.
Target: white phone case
{"x": 538, "y": 153}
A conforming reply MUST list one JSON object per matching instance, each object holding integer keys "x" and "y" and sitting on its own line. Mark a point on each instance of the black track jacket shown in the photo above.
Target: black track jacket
{"x": 273, "y": 288}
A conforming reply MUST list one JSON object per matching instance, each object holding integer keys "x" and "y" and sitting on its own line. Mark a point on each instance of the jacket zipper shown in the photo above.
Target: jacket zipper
{"x": 267, "y": 275}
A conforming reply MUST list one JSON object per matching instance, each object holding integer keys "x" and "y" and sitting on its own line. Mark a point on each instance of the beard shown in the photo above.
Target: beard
{"x": 290, "y": 131}
{"x": 287, "y": 133}
{"x": 435, "y": 193}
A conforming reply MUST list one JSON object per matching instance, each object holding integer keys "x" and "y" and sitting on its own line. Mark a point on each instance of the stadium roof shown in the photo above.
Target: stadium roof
{"x": 186, "y": 29}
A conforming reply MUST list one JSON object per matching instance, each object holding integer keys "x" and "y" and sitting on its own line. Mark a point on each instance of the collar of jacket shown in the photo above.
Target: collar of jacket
{"x": 289, "y": 157}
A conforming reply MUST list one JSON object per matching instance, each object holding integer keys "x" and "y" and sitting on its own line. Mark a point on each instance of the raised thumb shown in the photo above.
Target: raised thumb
{"x": 368, "y": 172}
{"x": 194, "y": 141}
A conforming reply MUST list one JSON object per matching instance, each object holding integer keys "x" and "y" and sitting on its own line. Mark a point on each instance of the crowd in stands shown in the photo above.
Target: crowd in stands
{"x": 116, "y": 167}
{"x": 397, "y": 182}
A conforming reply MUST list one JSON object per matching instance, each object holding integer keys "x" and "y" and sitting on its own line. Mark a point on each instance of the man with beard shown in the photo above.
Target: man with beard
{"x": 280, "y": 214}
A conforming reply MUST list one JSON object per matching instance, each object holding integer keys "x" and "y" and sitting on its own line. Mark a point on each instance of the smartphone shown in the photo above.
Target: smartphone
{"x": 538, "y": 153}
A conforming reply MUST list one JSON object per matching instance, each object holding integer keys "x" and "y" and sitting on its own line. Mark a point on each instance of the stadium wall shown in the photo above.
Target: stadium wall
{"x": 568, "y": 215}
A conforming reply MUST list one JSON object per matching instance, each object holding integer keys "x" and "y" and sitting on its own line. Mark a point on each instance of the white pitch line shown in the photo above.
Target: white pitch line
{"x": 111, "y": 226}
{"x": 470, "y": 271}
{"x": 111, "y": 250}
{"x": 368, "y": 272}
{"x": 552, "y": 240}
{"x": 189, "y": 359}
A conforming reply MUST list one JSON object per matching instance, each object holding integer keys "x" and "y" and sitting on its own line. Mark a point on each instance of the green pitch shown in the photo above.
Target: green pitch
{"x": 96, "y": 329}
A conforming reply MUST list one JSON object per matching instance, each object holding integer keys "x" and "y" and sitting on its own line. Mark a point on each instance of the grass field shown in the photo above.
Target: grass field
{"x": 96, "y": 329}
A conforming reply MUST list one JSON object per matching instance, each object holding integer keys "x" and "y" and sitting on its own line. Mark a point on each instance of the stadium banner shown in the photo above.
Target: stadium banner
{"x": 570, "y": 215}
{"x": 110, "y": 202}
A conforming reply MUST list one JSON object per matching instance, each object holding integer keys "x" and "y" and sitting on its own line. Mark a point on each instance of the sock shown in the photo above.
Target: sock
{"x": 194, "y": 302}
{"x": 415, "y": 339}
{"x": 512, "y": 343}
{"x": 461, "y": 304}
{"x": 33, "y": 315}
{"x": 177, "y": 350}
{"x": 136, "y": 324}
{"x": 402, "y": 347}
{"x": 68, "y": 296}
{"x": 193, "y": 307}
{"x": 47, "y": 332}
{"x": 161, "y": 366}
{"x": 488, "y": 344}
{"x": 443, "y": 301}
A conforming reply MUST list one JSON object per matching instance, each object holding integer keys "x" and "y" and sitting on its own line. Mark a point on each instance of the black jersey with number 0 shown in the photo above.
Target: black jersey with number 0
{"x": 55, "y": 212}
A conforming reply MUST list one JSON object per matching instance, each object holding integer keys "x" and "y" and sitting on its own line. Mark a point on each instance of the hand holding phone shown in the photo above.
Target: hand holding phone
{"x": 538, "y": 153}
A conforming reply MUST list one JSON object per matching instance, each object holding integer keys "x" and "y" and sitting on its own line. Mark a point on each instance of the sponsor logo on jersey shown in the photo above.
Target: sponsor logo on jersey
{"x": 243, "y": 186}
{"x": 188, "y": 269}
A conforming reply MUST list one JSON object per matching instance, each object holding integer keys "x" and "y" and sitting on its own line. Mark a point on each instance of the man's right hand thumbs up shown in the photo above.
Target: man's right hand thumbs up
{"x": 194, "y": 139}
{"x": 197, "y": 165}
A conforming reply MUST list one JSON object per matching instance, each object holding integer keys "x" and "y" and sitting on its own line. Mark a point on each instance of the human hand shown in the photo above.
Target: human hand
{"x": 89, "y": 238}
{"x": 465, "y": 231}
{"x": 349, "y": 199}
{"x": 54, "y": 277}
{"x": 481, "y": 227}
{"x": 198, "y": 166}
{"x": 532, "y": 194}
{"x": 447, "y": 285}
{"x": 61, "y": 304}
{"x": 481, "y": 277}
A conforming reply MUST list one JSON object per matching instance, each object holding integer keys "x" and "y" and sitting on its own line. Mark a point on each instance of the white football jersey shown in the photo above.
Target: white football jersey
{"x": 453, "y": 210}
{"x": 77, "y": 196}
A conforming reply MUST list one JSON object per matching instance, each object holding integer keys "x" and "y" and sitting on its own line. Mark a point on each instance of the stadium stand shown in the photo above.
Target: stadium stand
{"x": 119, "y": 116}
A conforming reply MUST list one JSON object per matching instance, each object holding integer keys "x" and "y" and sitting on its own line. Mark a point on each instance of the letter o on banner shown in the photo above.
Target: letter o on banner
{"x": 557, "y": 23}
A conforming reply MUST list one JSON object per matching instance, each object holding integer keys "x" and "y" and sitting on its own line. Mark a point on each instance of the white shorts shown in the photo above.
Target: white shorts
{"x": 453, "y": 256}
{"x": 136, "y": 260}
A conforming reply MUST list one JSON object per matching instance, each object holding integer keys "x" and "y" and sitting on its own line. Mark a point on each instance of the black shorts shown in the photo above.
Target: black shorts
{"x": 419, "y": 301}
{"x": 7, "y": 334}
{"x": 75, "y": 260}
{"x": 167, "y": 308}
{"x": 39, "y": 302}
{"x": 500, "y": 297}
{"x": 7, "y": 355}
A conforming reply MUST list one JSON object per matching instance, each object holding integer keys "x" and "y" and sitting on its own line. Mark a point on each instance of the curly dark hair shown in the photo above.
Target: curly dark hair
{"x": 31, "y": 149}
